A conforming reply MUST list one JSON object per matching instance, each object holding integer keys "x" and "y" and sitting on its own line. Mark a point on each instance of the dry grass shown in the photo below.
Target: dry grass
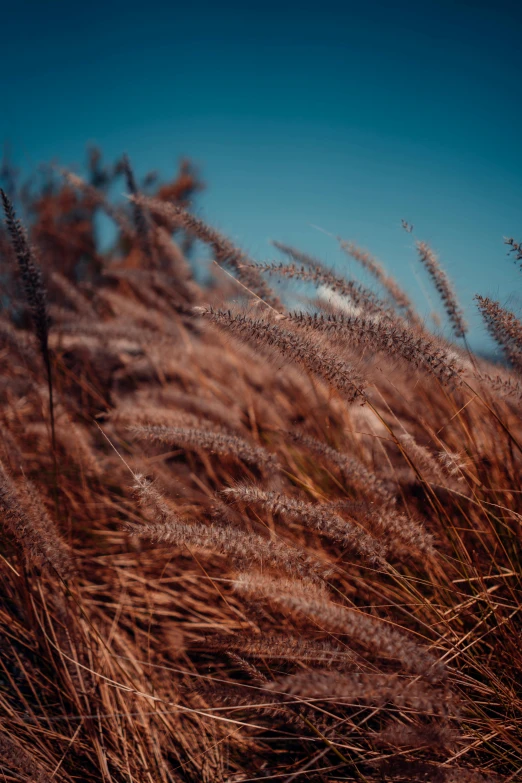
{"x": 261, "y": 544}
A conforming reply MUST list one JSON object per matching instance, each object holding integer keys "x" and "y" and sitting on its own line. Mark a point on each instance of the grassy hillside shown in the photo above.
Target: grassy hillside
{"x": 243, "y": 541}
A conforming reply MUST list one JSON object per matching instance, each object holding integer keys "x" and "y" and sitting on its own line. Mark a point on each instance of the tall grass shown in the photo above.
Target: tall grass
{"x": 287, "y": 543}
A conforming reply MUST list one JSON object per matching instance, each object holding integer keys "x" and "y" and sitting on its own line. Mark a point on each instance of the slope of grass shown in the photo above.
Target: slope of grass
{"x": 250, "y": 544}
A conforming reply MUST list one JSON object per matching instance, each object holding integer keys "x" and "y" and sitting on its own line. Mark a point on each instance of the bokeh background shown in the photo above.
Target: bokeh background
{"x": 347, "y": 116}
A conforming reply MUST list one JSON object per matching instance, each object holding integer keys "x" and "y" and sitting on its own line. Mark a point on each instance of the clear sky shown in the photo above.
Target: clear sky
{"x": 345, "y": 115}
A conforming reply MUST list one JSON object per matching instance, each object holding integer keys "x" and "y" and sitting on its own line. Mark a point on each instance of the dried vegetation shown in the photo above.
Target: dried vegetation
{"x": 242, "y": 542}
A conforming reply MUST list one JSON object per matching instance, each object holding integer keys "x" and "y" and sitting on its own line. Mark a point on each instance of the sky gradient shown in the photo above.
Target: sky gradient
{"x": 346, "y": 116}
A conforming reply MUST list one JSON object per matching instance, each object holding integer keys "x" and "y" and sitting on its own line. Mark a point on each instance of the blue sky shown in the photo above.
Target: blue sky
{"x": 349, "y": 116}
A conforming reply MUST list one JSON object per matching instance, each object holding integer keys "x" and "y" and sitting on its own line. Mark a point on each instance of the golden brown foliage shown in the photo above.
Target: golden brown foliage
{"x": 264, "y": 545}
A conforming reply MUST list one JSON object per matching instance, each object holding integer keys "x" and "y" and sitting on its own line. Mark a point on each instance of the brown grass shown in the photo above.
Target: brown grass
{"x": 264, "y": 545}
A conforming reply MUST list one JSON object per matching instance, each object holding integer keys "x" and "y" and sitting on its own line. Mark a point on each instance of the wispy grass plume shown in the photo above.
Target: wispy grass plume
{"x": 444, "y": 288}
{"x": 317, "y": 274}
{"x": 291, "y": 346}
{"x": 504, "y": 327}
{"x": 34, "y": 289}
{"x": 214, "y": 442}
{"x": 27, "y": 520}
{"x": 388, "y": 336}
{"x": 224, "y": 251}
{"x": 352, "y": 470}
{"x": 367, "y": 688}
{"x": 243, "y": 548}
{"x": 367, "y": 261}
{"x": 317, "y": 517}
{"x": 376, "y": 636}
